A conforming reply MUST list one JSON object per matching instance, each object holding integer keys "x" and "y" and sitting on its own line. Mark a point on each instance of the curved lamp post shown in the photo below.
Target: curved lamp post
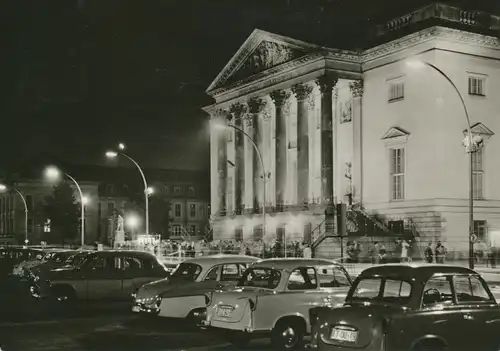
{"x": 5, "y": 188}
{"x": 261, "y": 159}
{"x": 471, "y": 146}
{"x": 147, "y": 190}
{"x": 53, "y": 173}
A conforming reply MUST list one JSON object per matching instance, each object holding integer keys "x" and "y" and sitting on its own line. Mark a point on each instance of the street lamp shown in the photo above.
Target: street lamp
{"x": 220, "y": 126}
{"x": 52, "y": 173}
{"x": 471, "y": 144}
{"x": 4, "y": 188}
{"x": 147, "y": 190}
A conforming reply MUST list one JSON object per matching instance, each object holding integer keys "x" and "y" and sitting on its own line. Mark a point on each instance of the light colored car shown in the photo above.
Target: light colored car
{"x": 111, "y": 275}
{"x": 183, "y": 293}
{"x": 273, "y": 298}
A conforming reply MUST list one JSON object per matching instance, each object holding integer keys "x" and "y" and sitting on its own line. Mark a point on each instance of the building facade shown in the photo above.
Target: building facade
{"x": 378, "y": 127}
{"x": 110, "y": 192}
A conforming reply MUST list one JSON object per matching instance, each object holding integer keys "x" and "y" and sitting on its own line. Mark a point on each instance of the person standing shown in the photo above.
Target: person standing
{"x": 307, "y": 252}
{"x": 404, "y": 251}
{"x": 440, "y": 252}
{"x": 429, "y": 253}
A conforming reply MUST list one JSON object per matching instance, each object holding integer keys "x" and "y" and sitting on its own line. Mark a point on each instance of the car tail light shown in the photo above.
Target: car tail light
{"x": 208, "y": 299}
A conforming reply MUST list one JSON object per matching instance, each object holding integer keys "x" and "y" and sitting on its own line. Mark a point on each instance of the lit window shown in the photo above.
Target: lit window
{"x": 191, "y": 190}
{"x": 396, "y": 90}
{"x": 193, "y": 229}
{"x": 176, "y": 230}
{"x": 480, "y": 229}
{"x": 477, "y": 85}
{"x": 397, "y": 174}
{"x": 177, "y": 210}
{"x": 177, "y": 189}
{"x": 46, "y": 226}
{"x": 192, "y": 210}
{"x": 477, "y": 174}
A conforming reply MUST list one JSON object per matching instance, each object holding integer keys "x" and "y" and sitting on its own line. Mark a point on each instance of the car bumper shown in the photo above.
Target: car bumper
{"x": 216, "y": 325}
{"x": 149, "y": 309}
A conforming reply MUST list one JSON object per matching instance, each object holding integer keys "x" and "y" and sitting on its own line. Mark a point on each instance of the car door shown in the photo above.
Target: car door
{"x": 439, "y": 315}
{"x": 104, "y": 278}
{"x": 481, "y": 314}
{"x": 334, "y": 284}
{"x": 138, "y": 271}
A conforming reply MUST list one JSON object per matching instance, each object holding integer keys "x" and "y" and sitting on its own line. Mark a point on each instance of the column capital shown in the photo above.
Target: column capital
{"x": 357, "y": 88}
{"x": 326, "y": 83}
{"x": 280, "y": 97}
{"x": 302, "y": 91}
{"x": 222, "y": 115}
{"x": 248, "y": 119}
{"x": 238, "y": 110}
{"x": 257, "y": 105}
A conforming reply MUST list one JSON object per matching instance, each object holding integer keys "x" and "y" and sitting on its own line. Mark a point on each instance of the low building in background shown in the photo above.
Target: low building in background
{"x": 178, "y": 207}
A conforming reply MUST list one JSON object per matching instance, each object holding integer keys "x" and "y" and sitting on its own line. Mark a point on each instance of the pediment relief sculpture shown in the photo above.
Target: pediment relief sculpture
{"x": 268, "y": 54}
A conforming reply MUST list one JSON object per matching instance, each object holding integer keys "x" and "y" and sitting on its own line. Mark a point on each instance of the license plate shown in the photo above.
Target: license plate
{"x": 224, "y": 311}
{"x": 344, "y": 335}
{"x": 136, "y": 309}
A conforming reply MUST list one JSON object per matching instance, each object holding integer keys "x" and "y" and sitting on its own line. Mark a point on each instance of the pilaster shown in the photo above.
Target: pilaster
{"x": 357, "y": 90}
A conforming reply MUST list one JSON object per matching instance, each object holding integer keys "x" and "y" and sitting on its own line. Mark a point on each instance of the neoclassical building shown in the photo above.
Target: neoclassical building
{"x": 367, "y": 127}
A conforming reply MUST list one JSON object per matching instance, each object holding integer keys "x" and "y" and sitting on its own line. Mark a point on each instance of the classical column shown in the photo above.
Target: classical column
{"x": 238, "y": 111}
{"x": 257, "y": 108}
{"x": 326, "y": 85}
{"x": 356, "y": 88}
{"x": 302, "y": 93}
{"x": 280, "y": 97}
{"x": 222, "y": 163}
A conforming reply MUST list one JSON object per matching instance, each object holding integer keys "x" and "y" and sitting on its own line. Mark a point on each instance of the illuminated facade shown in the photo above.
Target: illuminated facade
{"x": 367, "y": 126}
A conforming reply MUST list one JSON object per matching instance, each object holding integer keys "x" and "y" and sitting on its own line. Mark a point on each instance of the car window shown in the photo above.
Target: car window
{"x": 437, "y": 291}
{"x": 367, "y": 288}
{"x": 303, "y": 278}
{"x": 332, "y": 277}
{"x": 212, "y": 274}
{"x": 230, "y": 273}
{"x": 266, "y": 278}
{"x": 470, "y": 289}
{"x": 133, "y": 263}
{"x": 397, "y": 291}
{"x": 187, "y": 271}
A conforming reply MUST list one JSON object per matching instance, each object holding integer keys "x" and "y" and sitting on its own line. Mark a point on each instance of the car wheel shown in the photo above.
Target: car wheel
{"x": 196, "y": 316}
{"x": 239, "y": 340}
{"x": 288, "y": 335}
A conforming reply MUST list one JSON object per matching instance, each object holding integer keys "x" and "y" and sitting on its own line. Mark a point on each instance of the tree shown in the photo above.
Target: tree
{"x": 160, "y": 215}
{"x": 64, "y": 214}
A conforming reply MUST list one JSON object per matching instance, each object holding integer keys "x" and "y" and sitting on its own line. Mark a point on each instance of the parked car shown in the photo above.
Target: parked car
{"x": 411, "y": 307}
{"x": 103, "y": 275}
{"x": 66, "y": 259}
{"x": 273, "y": 299}
{"x": 10, "y": 257}
{"x": 22, "y": 269}
{"x": 183, "y": 294}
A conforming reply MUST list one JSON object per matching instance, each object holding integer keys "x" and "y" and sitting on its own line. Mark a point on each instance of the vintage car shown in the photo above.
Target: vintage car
{"x": 183, "y": 294}
{"x": 18, "y": 258}
{"x": 45, "y": 255}
{"x": 411, "y": 307}
{"x": 273, "y": 298}
{"x": 103, "y": 275}
{"x": 66, "y": 259}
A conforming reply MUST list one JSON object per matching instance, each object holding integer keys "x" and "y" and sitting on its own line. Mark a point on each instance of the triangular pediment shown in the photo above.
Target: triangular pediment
{"x": 260, "y": 52}
{"x": 480, "y": 129}
{"x": 395, "y": 132}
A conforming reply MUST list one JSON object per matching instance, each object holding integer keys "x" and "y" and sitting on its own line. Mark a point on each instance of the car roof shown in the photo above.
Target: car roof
{"x": 294, "y": 263}
{"x": 422, "y": 271}
{"x": 136, "y": 253}
{"x": 221, "y": 258}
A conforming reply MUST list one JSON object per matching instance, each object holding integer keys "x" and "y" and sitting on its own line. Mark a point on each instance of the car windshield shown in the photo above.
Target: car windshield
{"x": 266, "y": 278}
{"x": 187, "y": 271}
{"x": 384, "y": 290}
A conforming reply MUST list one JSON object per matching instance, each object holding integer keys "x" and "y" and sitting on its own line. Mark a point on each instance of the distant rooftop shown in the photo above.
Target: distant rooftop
{"x": 440, "y": 14}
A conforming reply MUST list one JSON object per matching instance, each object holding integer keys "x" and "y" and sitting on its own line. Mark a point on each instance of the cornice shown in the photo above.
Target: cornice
{"x": 294, "y": 68}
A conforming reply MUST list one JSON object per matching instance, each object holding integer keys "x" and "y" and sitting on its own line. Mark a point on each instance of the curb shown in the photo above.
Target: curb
{"x": 58, "y": 321}
{"x": 203, "y": 348}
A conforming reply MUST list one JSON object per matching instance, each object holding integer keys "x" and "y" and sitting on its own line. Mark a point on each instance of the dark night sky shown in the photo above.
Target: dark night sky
{"x": 80, "y": 75}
